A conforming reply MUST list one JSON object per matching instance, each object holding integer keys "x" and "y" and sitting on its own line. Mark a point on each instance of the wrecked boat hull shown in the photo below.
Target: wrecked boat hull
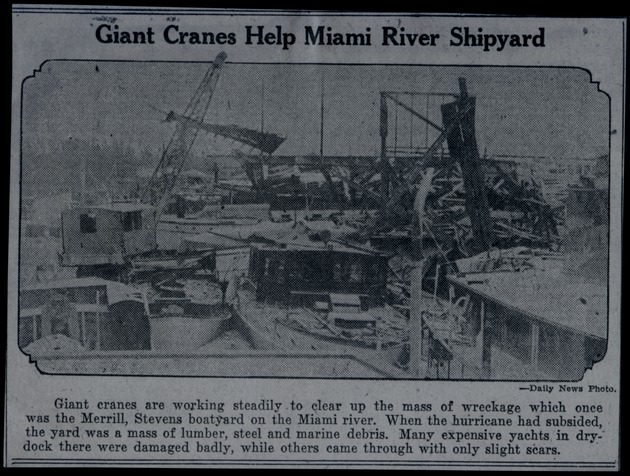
{"x": 268, "y": 334}
{"x": 185, "y": 333}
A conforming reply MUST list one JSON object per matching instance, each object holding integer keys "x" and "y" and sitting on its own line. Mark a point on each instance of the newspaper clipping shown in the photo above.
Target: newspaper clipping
{"x": 260, "y": 238}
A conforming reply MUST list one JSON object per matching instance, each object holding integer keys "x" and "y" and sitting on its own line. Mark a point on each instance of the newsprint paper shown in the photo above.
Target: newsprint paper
{"x": 314, "y": 239}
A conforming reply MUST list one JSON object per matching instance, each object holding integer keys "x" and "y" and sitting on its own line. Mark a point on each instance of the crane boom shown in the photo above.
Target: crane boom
{"x": 173, "y": 158}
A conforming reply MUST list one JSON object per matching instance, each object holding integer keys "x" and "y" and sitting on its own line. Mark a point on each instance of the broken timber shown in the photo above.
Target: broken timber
{"x": 462, "y": 146}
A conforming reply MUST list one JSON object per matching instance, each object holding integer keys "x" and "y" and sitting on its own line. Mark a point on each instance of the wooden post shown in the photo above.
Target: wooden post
{"x": 384, "y": 160}
{"x": 486, "y": 343}
{"x": 535, "y": 345}
{"x": 275, "y": 330}
{"x": 435, "y": 286}
{"x": 83, "y": 332}
{"x": 98, "y": 321}
{"x": 415, "y": 327}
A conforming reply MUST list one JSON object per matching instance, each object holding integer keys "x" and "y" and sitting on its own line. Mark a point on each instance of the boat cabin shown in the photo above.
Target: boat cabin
{"x": 550, "y": 327}
{"x": 315, "y": 269}
{"x": 94, "y": 313}
{"x": 349, "y": 311}
{"x": 107, "y": 234}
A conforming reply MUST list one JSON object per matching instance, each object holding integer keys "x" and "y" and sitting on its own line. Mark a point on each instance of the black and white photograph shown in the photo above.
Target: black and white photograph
{"x": 314, "y": 239}
{"x": 314, "y": 220}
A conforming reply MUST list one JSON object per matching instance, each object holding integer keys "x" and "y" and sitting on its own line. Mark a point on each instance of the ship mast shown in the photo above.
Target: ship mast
{"x": 321, "y": 120}
{"x": 262, "y": 105}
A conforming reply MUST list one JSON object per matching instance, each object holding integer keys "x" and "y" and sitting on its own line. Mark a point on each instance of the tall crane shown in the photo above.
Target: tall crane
{"x": 160, "y": 186}
{"x": 103, "y": 240}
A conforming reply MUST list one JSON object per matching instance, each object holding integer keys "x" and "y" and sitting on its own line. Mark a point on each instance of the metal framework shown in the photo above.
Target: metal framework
{"x": 174, "y": 157}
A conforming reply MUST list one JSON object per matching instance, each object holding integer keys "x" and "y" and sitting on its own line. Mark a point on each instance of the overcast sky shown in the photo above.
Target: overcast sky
{"x": 520, "y": 111}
